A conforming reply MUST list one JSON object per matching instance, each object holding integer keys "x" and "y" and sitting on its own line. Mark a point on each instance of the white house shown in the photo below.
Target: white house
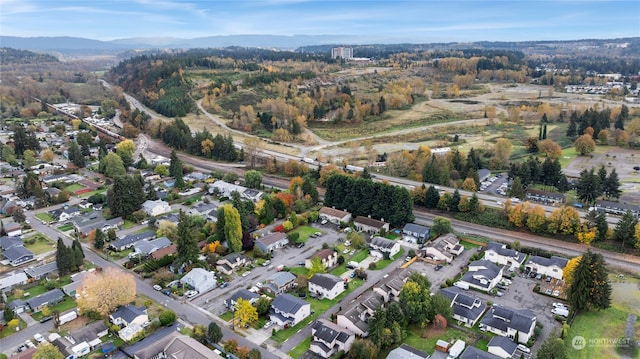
{"x": 405, "y": 351}
{"x": 287, "y": 310}
{"x": 354, "y": 317}
{"x": 443, "y": 248}
{"x": 384, "y": 245}
{"x": 517, "y": 324}
{"x": 200, "y": 280}
{"x": 326, "y": 285}
{"x": 391, "y": 286}
{"x": 499, "y": 253}
{"x": 482, "y": 275}
{"x": 156, "y": 208}
{"x": 334, "y": 216}
{"x": 552, "y": 267}
{"x": 467, "y": 309}
{"x": 328, "y": 257}
{"x": 15, "y": 279}
{"x": 328, "y": 338}
{"x": 502, "y": 347}
{"x": 231, "y": 262}
{"x": 370, "y": 225}
{"x": 128, "y": 315}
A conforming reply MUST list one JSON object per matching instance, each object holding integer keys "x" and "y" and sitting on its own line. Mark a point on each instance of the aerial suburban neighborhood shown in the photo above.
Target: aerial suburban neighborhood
{"x": 324, "y": 197}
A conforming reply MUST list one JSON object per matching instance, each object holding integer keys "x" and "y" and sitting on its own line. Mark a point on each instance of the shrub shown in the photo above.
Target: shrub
{"x": 373, "y": 265}
{"x": 167, "y": 317}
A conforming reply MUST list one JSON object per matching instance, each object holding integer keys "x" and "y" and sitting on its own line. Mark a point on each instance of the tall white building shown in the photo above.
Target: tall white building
{"x": 342, "y": 52}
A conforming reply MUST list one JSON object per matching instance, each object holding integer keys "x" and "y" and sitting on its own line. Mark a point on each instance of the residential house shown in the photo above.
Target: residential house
{"x": 498, "y": 253}
{"x": 252, "y": 194}
{"x": 17, "y": 255}
{"x": 7, "y": 242}
{"x": 370, "y": 225}
{"x": 129, "y": 314}
{"x": 328, "y": 257}
{"x": 475, "y": 353}
{"x": 287, "y": 310}
{"x": 244, "y": 294}
{"x": 26, "y": 354}
{"x": 326, "y": 285}
{"x": 517, "y": 324}
{"x": 18, "y": 306}
{"x": 232, "y": 262}
{"x": 200, "y": 280}
{"x": 467, "y": 309}
{"x": 69, "y": 350}
{"x": 552, "y": 267}
{"x": 502, "y": 347}
{"x": 328, "y": 338}
{"x": 130, "y": 331}
{"x": 415, "y": 233}
{"x": 271, "y": 242}
{"x": 71, "y": 289}
{"x": 384, "y": 247}
{"x": 89, "y": 222}
{"x": 90, "y": 334}
{"x": 443, "y": 249}
{"x": 334, "y": 216}
{"x": 129, "y": 240}
{"x": 206, "y": 210}
{"x": 225, "y": 189}
{"x": 13, "y": 229}
{"x": 66, "y": 214}
{"x": 546, "y": 197}
{"x": 41, "y": 271}
{"x": 482, "y": 275}
{"x": 280, "y": 282}
{"x": 155, "y": 208}
{"x": 617, "y": 207}
{"x": 405, "y": 351}
{"x": 146, "y": 247}
{"x": 174, "y": 346}
{"x": 389, "y": 288}
{"x": 354, "y": 316}
{"x": 52, "y": 193}
{"x": 167, "y": 251}
{"x": 13, "y": 280}
{"x": 49, "y": 298}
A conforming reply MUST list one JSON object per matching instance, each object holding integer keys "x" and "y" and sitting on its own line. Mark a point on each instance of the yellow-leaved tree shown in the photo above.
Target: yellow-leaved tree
{"x": 518, "y": 214}
{"x": 246, "y": 313}
{"x": 586, "y": 235}
{"x": 567, "y": 272}
{"x": 104, "y": 291}
{"x": 536, "y": 219}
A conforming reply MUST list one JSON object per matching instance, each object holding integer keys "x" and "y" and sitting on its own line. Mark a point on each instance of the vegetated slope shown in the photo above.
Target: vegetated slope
{"x": 10, "y": 55}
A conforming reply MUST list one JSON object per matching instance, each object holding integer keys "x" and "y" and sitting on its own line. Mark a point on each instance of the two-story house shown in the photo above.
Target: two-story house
{"x": 383, "y": 247}
{"x": 328, "y": 257}
{"x": 156, "y": 208}
{"x": 415, "y": 233}
{"x": 499, "y": 253}
{"x": 329, "y": 339}
{"x": 389, "y": 288}
{"x": 129, "y": 314}
{"x": 467, "y": 309}
{"x": 443, "y": 249}
{"x": 200, "y": 279}
{"x": 271, "y": 242}
{"x": 326, "y": 285}
{"x": 354, "y": 316}
{"x": 243, "y": 294}
{"x": 517, "y": 324}
{"x": 280, "y": 282}
{"x": 552, "y": 267}
{"x": 287, "y": 310}
{"x": 482, "y": 275}
{"x": 232, "y": 262}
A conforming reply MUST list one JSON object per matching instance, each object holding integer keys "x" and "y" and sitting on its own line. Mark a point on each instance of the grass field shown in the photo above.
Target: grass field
{"x": 415, "y": 339}
{"x": 41, "y": 245}
{"x": 65, "y": 227}
{"x": 74, "y": 187}
{"x": 305, "y": 232}
{"x": 66, "y": 304}
{"x": 300, "y": 348}
{"x": 360, "y": 256}
{"x": 6, "y": 331}
{"x": 383, "y": 263}
{"x": 45, "y": 217}
{"x": 606, "y": 324}
{"x": 226, "y": 316}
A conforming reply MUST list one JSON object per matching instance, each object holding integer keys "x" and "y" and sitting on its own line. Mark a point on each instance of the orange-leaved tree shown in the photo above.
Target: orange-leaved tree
{"x": 103, "y": 291}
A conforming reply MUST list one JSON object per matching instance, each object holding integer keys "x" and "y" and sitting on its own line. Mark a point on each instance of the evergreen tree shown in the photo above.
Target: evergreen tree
{"x": 590, "y": 287}
{"x": 152, "y": 195}
{"x": 588, "y": 186}
{"x": 602, "y": 177}
{"x": 430, "y": 171}
{"x": 474, "y": 203}
{"x": 99, "y": 240}
{"x": 611, "y": 185}
{"x": 517, "y": 189}
{"x": 75, "y": 155}
{"x": 175, "y": 170}
{"x": 432, "y": 197}
{"x": 64, "y": 258}
{"x": 544, "y": 131}
{"x": 601, "y": 225}
{"x": 625, "y": 229}
{"x": 78, "y": 254}
{"x": 220, "y": 235}
{"x": 186, "y": 243}
{"x": 454, "y": 201}
{"x": 563, "y": 184}
{"x": 552, "y": 348}
{"x": 623, "y": 116}
{"x": 232, "y": 228}
{"x": 125, "y": 196}
{"x": 572, "y": 130}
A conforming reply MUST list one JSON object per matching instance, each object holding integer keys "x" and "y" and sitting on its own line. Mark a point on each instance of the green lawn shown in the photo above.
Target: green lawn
{"x": 41, "y": 245}
{"x": 568, "y": 154}
{"x": 468, "y": 245}
{"x": 383, "y": 263}
{"x": 317, "y": 306}
{"x": 305, "y": 232}
{"x": 65, "y": 227}
{"x": 226, "y": 316}
{"x": 339, "y": 270}
{"x": 45, "y": 217}
{"x": 128, "y": 224}
{"x": 391, "y": 236}
{"x": 6, "y": 331}
{"x": 66, "y": 304}
{"x": 360, "y": 256}
{"x": 415, "y": 339}
{"x": 299, "y": 271}
{"x": 300, "y": 348}
{"x": 74, "y": 187}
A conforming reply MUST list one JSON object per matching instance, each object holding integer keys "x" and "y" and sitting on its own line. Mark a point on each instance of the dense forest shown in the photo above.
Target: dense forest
{"x": 9, "y": 55}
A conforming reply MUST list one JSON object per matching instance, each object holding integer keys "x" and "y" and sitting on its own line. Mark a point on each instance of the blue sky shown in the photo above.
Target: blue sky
{"x": 381, "y": 21}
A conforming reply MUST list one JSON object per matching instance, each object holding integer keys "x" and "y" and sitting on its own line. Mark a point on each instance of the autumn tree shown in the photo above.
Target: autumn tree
{"x": 103, "y": 291}
{"x": 415, "y": 301}
{"x": 536, "y": 219}
{"x": 47, "y": 155}
{"x": 585, "y": 144}
{"x": 441, "y": 225}
{"x": 362, "y": 349}
{"x": 252, "y": 146}
{"x": 569, "y": 268}
{"x": 586, "y": 235}
{"x": 232, "y": 228}
{"x": 46, "y": 350}
{"x": 316, "y": 267}
{"x": 565, "y": 220}
{"x": 112, "y": 166}
{"x": 551, "y": 149}
{"x": 502, "y": 150}
{"x": 469, "y": 184}
{"x": 245, "y": 313}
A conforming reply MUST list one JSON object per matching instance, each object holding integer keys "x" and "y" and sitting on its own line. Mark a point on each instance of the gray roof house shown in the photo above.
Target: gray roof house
{"x": 467, "y": 309}
{"x": 482, "y": 275}
{"x": 17, "y": 255}
{"x": 552, "y": 267}
{"x": 384, "y": 246}
{"x": 41, "y": 271}
{"x": 129, "y": 314}
{"x": 271, "y": 242}
{"x": 328, "y": 338}
{"x": 370, "y": 225}
{"x": 90, "y": 333}
{"x": 231, "y": 262}
{"x": 280, "y": 282}
{"x": 517, "y": 324}
{"x": 287, "y": 310}
{"x": 502, "y": 347}
{"x": 156, "y": 208}
{"x": 146, "y": 247}
{"x": 174, "y": 346}
{"x": 241, "y": 294}
{"x": 499, "y": 253}
{"x": 207, "y": 210}
{"x": 405, "y": 351}
{"x": 47, "y": 298}
{"x": 389, "y": 288}
{"x": 94, "y": 220}
{"x": 128, "y": 240}
{"x": 12, "y": 280}
{"x": 200, "y": 279}
{"x": 326, "y": 285}
{"x": 475, "y": 353}
{"x": 415, "y": 233}
{"x": 354, "y": 317}
{"x": 10, "y": 242}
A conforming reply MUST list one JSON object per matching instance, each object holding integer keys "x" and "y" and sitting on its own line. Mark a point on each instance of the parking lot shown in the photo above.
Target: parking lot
{"x": 438, "y": 277}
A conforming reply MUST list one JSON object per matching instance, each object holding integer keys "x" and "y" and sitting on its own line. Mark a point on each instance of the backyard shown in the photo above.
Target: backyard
{"x": 45, "y": 217}
{"x": 39, "y": 244}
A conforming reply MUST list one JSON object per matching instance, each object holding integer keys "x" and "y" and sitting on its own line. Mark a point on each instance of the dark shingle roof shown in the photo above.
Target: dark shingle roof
{"x": 52, "y": 295}
{"x": 501, "y": 317}
{"x": 132, "y": 238}
{"x": 548, "y": 262}
{"x": 475, "y": 353}
{"x": 286, "y": 303}
{"x": 244, "y": 294}
{"x": 382, "y": 242}
{"x": 128, "y": 312}
{"x": 508, "y": 345}
{"x": 327, "y": 281}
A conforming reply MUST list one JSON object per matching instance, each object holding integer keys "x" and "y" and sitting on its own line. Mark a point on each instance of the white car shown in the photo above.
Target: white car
{"x": 259, "y": 285}
{"x": 559, "y": 305}
{"x": 268, "y": 325}
{"x": 191, "y": 293}
{"x": 29, "y": 344}
{"x": 246, "y": 273}
{"x": 324, "y": 221}
{"x": 157, "y": 287}
{"x": 523, "y": 348}
{"x": 38, "y": 337}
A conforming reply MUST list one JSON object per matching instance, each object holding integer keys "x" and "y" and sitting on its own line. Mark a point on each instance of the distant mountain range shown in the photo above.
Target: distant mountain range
{"x": 78, "y": 45}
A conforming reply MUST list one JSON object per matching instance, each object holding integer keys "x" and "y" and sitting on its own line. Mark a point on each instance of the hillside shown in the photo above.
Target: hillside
{"x": 14, "y": 56}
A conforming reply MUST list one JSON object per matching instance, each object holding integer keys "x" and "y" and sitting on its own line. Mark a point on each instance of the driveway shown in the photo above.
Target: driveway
{"x": 446, "y": 272}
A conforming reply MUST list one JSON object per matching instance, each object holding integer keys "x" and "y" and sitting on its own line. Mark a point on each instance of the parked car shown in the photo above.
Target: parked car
{"x": 246, "y": 273}
{"x": 191, "y": 293}
{"x": 548, "y": 279}
{"x": 157, "y": 287}
{"x": 556, "y": 293}
{"x": 324, "y": 221}
{"x": 559, "y": 305}
{"x": 29, "y": 344}
{"x": 268, "y": 325}
{"x": 523, "y": 348}
{"x": 266, "y": 263}
{"x": 38, "y": 337}
{"x": 166, "y": 292}
{"x": 538, "y": 276}
{"x": 224, "y": 285}
{"x": 499, "y": 293}
{"x": 46, "y": 319}
{"x": 500, "y": 286}
{"x": 438, "y": 267}
{"x": 300, "y": 245}
{"x": 352, "y": 275}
